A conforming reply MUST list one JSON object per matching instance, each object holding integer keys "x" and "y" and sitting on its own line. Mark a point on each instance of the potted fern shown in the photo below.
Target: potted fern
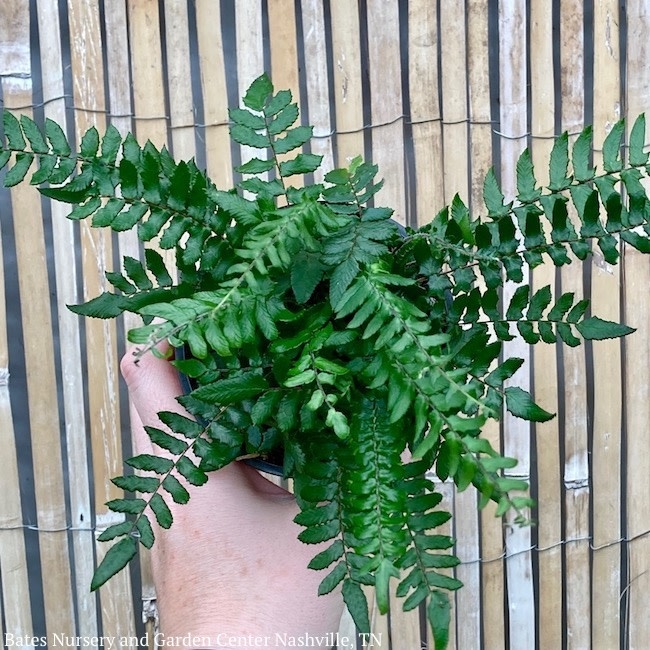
{"x": 314, "y": 331}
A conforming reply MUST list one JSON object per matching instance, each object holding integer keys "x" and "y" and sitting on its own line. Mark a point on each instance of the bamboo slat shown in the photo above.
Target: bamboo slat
{"x": 545, "y": 370}
{"x": 250, "y": 53}
{"x": 348, "y": 90}
{"x": 425, "y": 109}
{"x": 480, "y": 117}
{"x": 315, "y": 63}
{"x": 15, "y": 612}
{"x": 179, "y": 83}
{"x": 118, "y": 75}
{"x": 386, "y": 105}
{"x": 101, "y": 350}
{"x": 637, "y": 276}
{"x": 87, "y": 72}
{"x": 493, "y": 588}
{"x": 147, "y": 71}
{"x": 576, "y": 447}
{"x": 63, "y": 234}
{"x": 388, "y": 153}
{"x": 637, "y": 583}
{"x": 379, "y": 626}
{"x": 453, "y": 54}
{"x": 148, "y": 81}
{"x": 448, "y": 491}
{"x": 214, "y": 93}
{"x": 284, "y": 46}
{"x": 513, "y": 84}
{"x": 468, "y": 601}
{"x": 179, "y": 80}
{"x": 489, "y": 540}
{"x": 347, "y": 628}
{"x": 608, "y": 396}
{"x": 284, "y": 57}
{"x": 39, "y": 360}
{"x": 468, "y": 531}
{"x": 43, "y": 408}
{"x": 454, "y": 45}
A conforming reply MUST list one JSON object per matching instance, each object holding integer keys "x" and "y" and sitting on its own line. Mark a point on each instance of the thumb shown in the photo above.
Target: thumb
{"x": 154, "y": 385}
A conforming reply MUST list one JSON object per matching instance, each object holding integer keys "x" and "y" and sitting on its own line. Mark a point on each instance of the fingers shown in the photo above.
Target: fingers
{"x": 154, "y": 385}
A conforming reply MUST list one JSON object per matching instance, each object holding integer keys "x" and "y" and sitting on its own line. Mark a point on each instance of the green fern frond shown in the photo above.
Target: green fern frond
{"x": 425, "y": 558}
{"x": 164, "y": 479}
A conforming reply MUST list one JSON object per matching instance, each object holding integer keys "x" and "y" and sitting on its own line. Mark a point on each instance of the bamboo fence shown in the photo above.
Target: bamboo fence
{"x": 435, "y": 93}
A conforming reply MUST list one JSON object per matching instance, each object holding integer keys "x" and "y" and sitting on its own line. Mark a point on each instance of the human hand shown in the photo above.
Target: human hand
{"x": 231, "y": 564}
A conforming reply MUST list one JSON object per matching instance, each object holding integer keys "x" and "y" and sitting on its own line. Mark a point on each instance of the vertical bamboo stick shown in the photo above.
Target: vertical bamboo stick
{"x": 118, "y": 72}
{"x": 468, "y": 600}
{"x": 284, "y": 56}
{"x": 147, "y": 71}
{"x": 250, "y": 52}
{"x": 478, "y": 78}
{"x": 214, "y": 92}
{"x": 118, "y": 75}
{"x": 576, "y": 468}
{"x": 386, "y": 103}
{"x": 39, "y": 357}
{"x": 425, "y": 109}
{"x": 547, "y": 434}
{"x": 487, "y": 581}
{"x": 388, "y": 153}
{"x": 492, "y": 578}
{"x": 347, "y": 628}
{"x": 14, "y": 589}
{"x": 315, "y": 63}
{"x": 88, "y": 85}
{"x": 454, "y": 99}
{"x": 448, "y": 491}
{"x": 348, "y": 100}
{"x": 179, "y": 80}
{"x": 513, "y": 81}
{"x": 637, "y": 379}
{"x": 148, "y": 87}
{"x": 69, "y": 336}
{"x": 607, "y": 376}
{"x": 284, "y": 47}
{"x": 379, "y": 625}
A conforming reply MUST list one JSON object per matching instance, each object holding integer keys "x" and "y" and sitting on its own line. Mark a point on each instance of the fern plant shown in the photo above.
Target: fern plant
{"x": 316, "y": 329}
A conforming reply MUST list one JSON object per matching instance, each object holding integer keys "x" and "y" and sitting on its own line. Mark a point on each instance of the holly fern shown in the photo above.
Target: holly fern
{"x": 317, "y": 332}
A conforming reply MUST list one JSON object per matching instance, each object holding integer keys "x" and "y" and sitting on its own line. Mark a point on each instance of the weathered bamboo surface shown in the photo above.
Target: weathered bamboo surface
{"x": 435, "y": 93}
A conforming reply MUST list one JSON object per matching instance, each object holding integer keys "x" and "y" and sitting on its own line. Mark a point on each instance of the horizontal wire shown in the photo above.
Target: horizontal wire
{"x": 38, "y": 529}
{"x": 504, "y": 556}
{"x": 366, "y": 127}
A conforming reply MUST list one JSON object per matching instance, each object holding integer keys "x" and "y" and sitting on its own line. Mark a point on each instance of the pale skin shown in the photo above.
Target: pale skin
{"x": 231, "y": 563}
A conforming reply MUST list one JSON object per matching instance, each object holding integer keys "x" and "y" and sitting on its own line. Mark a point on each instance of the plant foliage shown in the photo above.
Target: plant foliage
{"x": 315, "y": 326}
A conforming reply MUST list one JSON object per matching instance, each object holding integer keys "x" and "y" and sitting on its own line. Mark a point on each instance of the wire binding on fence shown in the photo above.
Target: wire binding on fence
{"x": 321, "y": 136}
{"x": 504, "y": 556}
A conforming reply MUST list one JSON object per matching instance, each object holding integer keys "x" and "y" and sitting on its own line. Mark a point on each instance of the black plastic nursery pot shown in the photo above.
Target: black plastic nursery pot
{"x": 260, "y": 463}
